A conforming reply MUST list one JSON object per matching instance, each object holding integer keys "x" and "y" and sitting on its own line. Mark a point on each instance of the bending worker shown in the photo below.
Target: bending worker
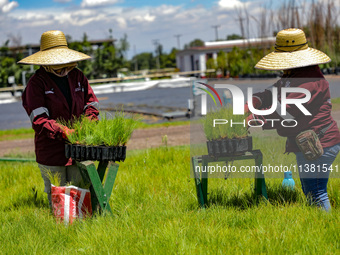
{"x": 314, "y": 137}
{"x": 57, "y": 90}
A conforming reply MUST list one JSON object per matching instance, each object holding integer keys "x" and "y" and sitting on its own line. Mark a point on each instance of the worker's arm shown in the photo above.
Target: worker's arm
{"x": 318, "y": 98}
{"x": 33, "y": 100}
{"x": 91, "y": 108}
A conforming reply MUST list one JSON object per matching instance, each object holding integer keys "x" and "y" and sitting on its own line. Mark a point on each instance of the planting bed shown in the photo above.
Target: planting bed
{"x": 227, "y": 147}
{"x": 83, "y": 152}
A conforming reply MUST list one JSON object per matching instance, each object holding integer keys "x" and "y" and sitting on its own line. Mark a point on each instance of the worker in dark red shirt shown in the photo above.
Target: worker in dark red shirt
{"x": 313, "y": 135}
{"x": 58, "y": 90}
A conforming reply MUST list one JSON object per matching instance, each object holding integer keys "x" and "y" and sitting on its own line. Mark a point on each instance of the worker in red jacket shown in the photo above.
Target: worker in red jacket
{"x": 58, "y": 90}
{"x": 312, "y": 135}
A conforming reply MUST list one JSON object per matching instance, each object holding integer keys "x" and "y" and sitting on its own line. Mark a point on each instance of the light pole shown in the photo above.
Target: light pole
{"x": 178, "y": 42}
{"x": 156, "y": 43}
{"x": 216, "y": 31}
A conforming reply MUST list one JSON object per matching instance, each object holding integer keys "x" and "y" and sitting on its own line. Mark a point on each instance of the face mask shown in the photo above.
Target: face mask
{"x": 60, "y": 70}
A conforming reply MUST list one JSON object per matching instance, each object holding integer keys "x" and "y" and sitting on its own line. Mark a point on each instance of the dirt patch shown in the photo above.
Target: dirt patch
{"x": 16, "y": 146}
{"x": 155, "y": 137}
{"x": 141, "y": 139}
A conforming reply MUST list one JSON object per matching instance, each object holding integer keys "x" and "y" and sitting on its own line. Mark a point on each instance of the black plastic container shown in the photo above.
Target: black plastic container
{"x": 124, "y": 154}
{"x": 81, "y": 152}
{"x": 229, "y": 147}
{"x": 105, "y": 153}
{"x": 88, "y": 154}
{"x": 68, "y": 148}
{"x": 78, "y": 152}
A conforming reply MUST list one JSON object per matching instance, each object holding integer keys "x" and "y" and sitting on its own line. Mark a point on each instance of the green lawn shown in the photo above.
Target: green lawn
{"x": 155, "y": 211}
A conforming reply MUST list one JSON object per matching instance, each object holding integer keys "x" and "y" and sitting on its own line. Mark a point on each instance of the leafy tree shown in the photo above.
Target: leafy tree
{"x": 9, "y": 66}
{"x": 169, "y": 60}
{"x": 144, "y": 60}
{"x": 234, "y": 37}
{"x": 234, "y": 62}
{"x": 85, "y": 47}
{"x": 123, "y": 47}
{"x": 194, "y": 43}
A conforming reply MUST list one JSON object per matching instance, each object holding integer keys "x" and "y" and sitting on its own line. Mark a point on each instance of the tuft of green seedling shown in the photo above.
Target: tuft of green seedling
{"x": 221, "y": 131}
{"x": 54, "y": 178}
{"x": 110, "y": 130}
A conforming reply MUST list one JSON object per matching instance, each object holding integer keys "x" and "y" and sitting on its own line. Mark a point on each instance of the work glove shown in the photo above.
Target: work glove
{"x": 253, "y": 123}
{"x": 66, "y": 132}
{"x": 256, "y": 102}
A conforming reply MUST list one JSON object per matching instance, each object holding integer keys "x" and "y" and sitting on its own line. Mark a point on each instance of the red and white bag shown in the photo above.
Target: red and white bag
{"x": 71, "y": 202}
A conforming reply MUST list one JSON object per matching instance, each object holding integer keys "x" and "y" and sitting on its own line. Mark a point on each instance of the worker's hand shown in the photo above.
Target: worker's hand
{"x": 250, "y": 117}
{"x": 256, "y": 103}
{"x": 67, "y": 132}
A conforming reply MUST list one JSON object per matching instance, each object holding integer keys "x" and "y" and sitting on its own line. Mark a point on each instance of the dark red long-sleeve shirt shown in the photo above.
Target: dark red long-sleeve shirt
{"x": 45, "y": 103}
{"x": 319, "y": 106}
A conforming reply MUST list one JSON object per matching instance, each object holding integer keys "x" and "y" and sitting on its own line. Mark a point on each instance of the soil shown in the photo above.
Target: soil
{"x": 141, "y": 139}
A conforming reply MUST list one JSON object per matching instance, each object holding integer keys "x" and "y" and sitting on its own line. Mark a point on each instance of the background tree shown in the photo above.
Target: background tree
{"x": 234, "y": 37}
{"x": 85, "y": 47}
{"x": 169, "y": 60}
{"x": 145, "y": 61}
{"x": 194, "y": 43}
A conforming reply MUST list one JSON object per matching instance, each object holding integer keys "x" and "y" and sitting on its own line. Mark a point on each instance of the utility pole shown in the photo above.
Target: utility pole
{"x": 216, "y": 32}
{"x": 134, "y": 52}
{"x": 178, "y": 43}
{"x": 156, "y": 43}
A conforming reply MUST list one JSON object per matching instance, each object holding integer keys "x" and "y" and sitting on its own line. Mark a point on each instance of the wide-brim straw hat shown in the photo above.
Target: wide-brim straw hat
{"x": 292, "y": 51}
{"x": 54, "y": 51}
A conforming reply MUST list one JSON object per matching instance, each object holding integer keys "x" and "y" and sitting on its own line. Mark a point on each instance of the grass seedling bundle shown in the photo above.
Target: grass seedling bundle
{"x": 108, "y": 131}
{"x": 232, "y": 127}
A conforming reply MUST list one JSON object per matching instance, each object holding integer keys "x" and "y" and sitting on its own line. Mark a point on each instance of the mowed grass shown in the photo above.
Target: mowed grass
{"x": 14, "y": 134}
{"x": 155, "y": 211}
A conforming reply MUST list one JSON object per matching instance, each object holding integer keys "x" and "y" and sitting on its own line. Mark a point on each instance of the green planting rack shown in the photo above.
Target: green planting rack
{"x": 100, "y": 191}
{"x": 201, "y": 178}
{"x": 107, "y": 168}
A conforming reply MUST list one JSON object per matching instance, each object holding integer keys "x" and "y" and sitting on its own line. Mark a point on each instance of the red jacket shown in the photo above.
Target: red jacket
{"x": 45, "y": 103}
{"x": 319, "y": 106}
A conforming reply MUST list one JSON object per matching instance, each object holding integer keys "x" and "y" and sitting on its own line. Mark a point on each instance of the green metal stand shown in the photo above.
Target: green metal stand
{"x": 100, "y": 192}
{"x": 201, "y": 178}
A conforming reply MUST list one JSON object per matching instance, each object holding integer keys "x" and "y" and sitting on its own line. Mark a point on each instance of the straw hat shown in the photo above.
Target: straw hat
{"x": 54, "y": 51}
{"x": 292, "y": 51}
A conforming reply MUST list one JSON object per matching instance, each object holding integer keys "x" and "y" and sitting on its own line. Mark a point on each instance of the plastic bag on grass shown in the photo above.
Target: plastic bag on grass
{"x": 70, "y": 202}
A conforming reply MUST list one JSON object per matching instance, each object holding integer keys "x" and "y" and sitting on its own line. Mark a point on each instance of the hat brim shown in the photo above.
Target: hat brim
{"x": 54, "y": 56}
{"x": 289, "y": 60}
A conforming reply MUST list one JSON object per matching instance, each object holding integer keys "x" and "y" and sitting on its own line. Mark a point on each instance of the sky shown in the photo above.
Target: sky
{"x": 141, "y": 20}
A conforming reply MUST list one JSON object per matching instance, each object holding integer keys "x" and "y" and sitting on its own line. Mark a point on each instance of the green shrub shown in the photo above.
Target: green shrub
{"x": 227, "y": 130}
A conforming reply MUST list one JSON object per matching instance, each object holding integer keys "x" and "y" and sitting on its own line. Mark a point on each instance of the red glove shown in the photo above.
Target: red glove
{"x": 253, "y": 123}
{"x": 66, "y": 132}
{"x": 256, "y": 103}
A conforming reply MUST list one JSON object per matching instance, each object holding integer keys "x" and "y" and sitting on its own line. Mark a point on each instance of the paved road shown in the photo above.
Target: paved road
{"x": 12, "y": 115}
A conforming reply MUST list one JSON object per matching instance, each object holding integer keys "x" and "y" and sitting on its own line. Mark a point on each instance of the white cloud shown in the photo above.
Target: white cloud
{"x": 62, "y": 1}
{"x": 6, "y": 6}
{"x": 97, "y": 3}
{"x": 230, "y": 4}
{"x": 141, "y": 18}
{"x": 141, "y": 24}
{"x": 32, "y": 16}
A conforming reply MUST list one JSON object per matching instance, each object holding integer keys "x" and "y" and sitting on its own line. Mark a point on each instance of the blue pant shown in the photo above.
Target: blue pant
{"x": 314, "y": 176}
